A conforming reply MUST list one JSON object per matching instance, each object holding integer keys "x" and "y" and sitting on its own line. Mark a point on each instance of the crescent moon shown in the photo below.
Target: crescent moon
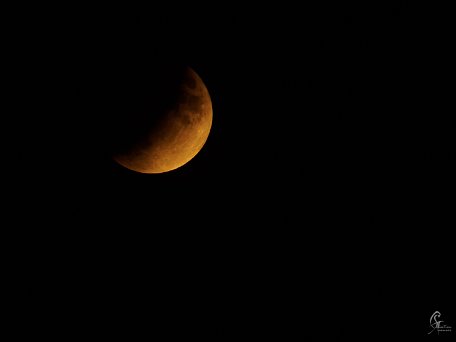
{"x": 177, "y": 136}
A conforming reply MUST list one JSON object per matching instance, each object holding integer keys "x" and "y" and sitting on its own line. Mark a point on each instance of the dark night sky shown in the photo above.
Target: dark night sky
{"x": 321, "y": 198}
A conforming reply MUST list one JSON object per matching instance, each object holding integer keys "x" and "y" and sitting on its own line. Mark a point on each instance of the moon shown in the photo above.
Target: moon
{"x": 170, "y": 126}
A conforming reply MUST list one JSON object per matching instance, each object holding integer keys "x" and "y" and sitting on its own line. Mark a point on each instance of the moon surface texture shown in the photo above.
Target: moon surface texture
{"x": 166, "y": 136}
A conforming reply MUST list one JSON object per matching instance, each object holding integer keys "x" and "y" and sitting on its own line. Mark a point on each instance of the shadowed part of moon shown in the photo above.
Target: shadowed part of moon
{"x": 167, "y": 128}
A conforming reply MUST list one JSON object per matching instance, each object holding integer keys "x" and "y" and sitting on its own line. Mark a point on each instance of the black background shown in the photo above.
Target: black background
{"x": 319, "y": 206}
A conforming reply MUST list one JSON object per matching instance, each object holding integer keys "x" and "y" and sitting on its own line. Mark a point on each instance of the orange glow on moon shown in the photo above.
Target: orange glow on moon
{"x": 180, "y": 134}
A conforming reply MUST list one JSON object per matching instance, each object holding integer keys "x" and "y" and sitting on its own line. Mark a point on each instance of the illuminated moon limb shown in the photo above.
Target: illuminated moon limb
{"x": 179, "y": 136}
